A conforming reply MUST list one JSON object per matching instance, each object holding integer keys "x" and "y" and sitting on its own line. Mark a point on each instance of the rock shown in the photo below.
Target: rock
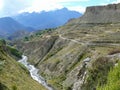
{"x": 100, "y": 14}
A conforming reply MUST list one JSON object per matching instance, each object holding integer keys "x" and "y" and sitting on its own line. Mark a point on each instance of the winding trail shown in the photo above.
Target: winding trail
{"x": 89, "y": 43}
{"x": 34, "y": 72}
{"x": 71, "y": 40}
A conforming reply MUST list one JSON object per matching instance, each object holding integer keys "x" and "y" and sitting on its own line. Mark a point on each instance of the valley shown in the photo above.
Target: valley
{"x": 67, "y": 61}
{"x": 83, "y": 54}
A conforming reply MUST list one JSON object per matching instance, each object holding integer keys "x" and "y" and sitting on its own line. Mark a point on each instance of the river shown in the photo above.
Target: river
{"x": 34, "y": 72}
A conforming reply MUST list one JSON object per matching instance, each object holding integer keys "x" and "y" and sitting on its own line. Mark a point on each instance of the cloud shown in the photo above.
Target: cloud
{"x": 40, "y": 5}
{"x": 1, "y": 4}
{"x": 12, "y": 7}
{"x": 117, "y": 1}
{"x": 77, "y": 8}
{"x": 47, "y": 5}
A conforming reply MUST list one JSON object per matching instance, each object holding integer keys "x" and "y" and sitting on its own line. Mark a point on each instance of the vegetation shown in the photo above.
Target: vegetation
{"x": 113, "y": 80}
{"x": 14, "y": 76}
{"x": 39, "y": 34}
{"x": 3, "y": 87}
{"x": 2, "y": 64}
{"x": 24, "y": 68}
{"x": 57, "y": 82}
{"x": 98, "y": 73}
{"x": 114, "y": 52}
{"x": 15, "y": 52}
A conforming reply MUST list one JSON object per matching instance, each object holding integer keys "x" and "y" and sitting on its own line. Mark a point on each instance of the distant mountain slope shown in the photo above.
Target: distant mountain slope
{"x": 49, "y": 19}
{"x": 18, "y": 35}
{"x": 9, "y": 26}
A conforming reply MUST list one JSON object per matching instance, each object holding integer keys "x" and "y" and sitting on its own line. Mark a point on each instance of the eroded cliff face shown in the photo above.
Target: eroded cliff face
{"x": 100, "y": 14}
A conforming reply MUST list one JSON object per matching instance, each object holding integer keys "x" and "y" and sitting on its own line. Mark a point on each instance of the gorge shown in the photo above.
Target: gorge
{"x": 83, "y": 54}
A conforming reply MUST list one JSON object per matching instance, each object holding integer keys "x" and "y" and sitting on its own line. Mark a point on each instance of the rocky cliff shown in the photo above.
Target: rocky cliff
{"x": 101, "y": 14}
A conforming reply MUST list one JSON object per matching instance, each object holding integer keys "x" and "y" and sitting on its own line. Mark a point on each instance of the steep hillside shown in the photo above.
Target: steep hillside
{"x": 77, "y": 56}
{"x": 48, "y": 19}
{"x": 9, "y": 26}
{"x": 75, "y": 60}
{"x": 13, "y": 75}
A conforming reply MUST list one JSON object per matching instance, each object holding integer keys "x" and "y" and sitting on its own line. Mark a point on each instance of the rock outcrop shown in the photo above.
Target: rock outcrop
{"x": 101, "y": 14}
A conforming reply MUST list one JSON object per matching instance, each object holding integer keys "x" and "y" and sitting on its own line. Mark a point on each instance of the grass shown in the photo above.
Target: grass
{"x": 14, "y": 52}
{"x": 113, "y": 79}
{"x": 2, "y": 63}
{"x": 14, "y": 76}
{"x": 24, "y": 68}
{"x": 98, "y": 73}
{"x": 57, "y": 82}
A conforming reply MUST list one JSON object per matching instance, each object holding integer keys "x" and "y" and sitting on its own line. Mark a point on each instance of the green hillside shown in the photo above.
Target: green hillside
{"x": 13, "y": 75}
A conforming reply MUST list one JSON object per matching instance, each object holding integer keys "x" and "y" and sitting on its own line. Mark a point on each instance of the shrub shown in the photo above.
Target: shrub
{"x": 114, "y": 52}
{"x": 98, "y": 73}
{"x": 15, "y": 52}
{"x": 3, "y": 87}
{"x": 113, "y": 80}
{"x": 23, "y": 67}
{"x": 2, "y": 65}
{"x": 14, "y": 87}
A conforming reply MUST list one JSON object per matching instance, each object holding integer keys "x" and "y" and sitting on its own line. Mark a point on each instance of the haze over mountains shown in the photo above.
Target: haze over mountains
{"x": 9, "y": 26}
{"x": 50, "y": 19}
{"x": 35, "y": 21}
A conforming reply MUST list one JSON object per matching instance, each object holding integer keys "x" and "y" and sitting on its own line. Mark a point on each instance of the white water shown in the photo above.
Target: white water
{"x": 34, "y": 72}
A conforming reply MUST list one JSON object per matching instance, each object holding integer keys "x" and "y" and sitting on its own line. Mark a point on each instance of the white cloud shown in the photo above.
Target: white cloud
{"x": 39, "y": 5}
{"x": 59, "y": 1}
{"x": 12, "y": 7}
{"x": 77, "y": 8}
{"x": 117, "y": 1}
{"x": 47, "y": 5}
{"x": 1, "y": 4}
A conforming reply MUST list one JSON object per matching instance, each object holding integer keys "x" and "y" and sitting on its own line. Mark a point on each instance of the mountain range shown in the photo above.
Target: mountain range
{"x": 50, "y": 19}
{"x": 8, "y": 26}
{"x": 35, "y": 21}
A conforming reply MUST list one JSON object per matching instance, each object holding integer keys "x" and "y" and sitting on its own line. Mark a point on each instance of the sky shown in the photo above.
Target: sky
{"x": 13, "y": 7}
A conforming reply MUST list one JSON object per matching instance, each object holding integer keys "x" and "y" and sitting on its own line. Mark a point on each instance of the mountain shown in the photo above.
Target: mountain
{"x": 84, "y": 54}
{"x": 101, "y": 14}
{"x": 48, "y": 19}
{"x": 8, "y": 26}
{"x": 18, "y": 35}
{"x": 14, "y": 75}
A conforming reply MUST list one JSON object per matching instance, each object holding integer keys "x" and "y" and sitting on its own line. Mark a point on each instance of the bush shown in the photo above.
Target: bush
{"x": 3, "y": 87}
{"x": 24, "y": 68}
{"x": 2, "y": 65}
{"x": 98, "y": 73}
{"x": 14, "y": 87}
{"x": 114, "y": 52}
{"x": 15, "y": 52}
{"x": 113, "y": 80}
